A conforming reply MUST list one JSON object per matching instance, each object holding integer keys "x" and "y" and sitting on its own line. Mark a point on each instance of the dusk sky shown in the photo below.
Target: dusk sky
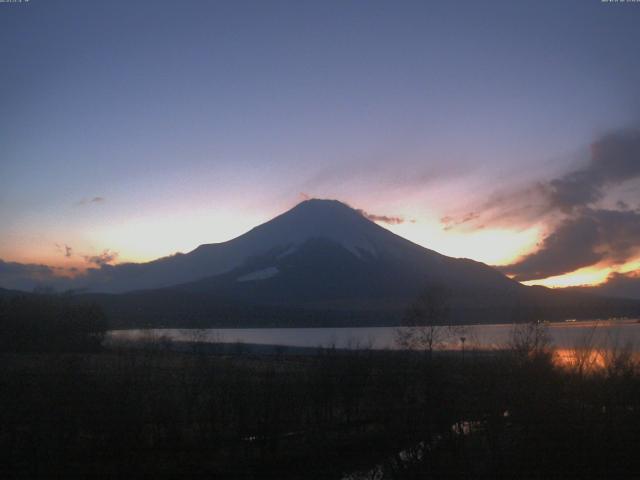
{"x": 503, "y": 131}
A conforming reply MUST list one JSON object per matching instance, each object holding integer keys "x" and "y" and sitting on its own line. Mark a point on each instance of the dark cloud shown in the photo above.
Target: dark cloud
{"x": 570, "y": 247}
{"x": 65, "y": 249}
{"x": 15, "y": 268}
{"x": 589, "y": 237}
{"x": 451, "y": 222}
{"x": 105, "y": 258}
{"x": 27, "y": 276}
{"x": 622, "y": 285}
{"x": 581, "y": 230}
{"x": 626, "y": 285}
{"x": 614, "y": 159}
{"x": 381, "y": 218}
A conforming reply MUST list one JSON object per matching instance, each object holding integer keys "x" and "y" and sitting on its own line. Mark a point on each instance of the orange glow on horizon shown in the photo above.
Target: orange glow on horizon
{"x": 144, "y": 238}
{"x": 588, "y": 276}
{"x": 491, "y": 246}
{"x": 585, "y": 276}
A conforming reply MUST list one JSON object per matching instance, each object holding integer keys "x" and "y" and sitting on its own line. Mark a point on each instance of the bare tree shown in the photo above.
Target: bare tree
{"x": 530, "y": 339}
{"x": 585, "y": 355}
{"x": 425, "y": 324}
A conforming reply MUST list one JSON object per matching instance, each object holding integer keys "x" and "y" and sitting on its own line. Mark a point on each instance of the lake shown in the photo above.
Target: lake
{"x": 602, "y": 334}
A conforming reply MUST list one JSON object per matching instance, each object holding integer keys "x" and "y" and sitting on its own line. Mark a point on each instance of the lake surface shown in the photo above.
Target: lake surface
{"x": 603, "y": 334}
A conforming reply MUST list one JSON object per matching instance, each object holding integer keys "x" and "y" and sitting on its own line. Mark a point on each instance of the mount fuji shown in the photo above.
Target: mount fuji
{"x": 307, "y": 229}
{"x": 321, "y": 263}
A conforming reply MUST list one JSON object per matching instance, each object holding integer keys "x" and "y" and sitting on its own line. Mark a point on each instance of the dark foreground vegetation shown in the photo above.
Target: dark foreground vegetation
{"x": 155, "y": 412}
{"x": 50, "y": 323}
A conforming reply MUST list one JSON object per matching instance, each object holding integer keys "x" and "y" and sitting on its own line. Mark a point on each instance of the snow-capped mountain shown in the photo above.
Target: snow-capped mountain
{"x": 265, "y": 247}
{"x": 322, "y": 263}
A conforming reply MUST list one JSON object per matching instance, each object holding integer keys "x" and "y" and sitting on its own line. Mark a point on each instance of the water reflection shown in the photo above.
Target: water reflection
{"x": 580, "y": 343}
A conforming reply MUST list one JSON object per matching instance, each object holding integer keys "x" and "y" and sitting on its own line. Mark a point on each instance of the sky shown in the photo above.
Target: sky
{"x": 507, "y": 132}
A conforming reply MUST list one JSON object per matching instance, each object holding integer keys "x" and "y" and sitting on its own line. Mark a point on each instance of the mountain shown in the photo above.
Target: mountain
{"x": 307, "y": 224}
{"x": 321, "y": 263}
{"x": 4, "y": 293}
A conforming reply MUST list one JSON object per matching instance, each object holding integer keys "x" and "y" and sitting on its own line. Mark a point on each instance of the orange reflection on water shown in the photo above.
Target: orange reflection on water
{"x": 585, "y": 360}
{"x": 577, "y": 358}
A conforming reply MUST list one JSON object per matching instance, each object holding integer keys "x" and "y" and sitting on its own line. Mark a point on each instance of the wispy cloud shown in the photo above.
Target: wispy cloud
{"x": 614, "y": 159}
{"x": 391, "y": 220}
{"x": 452, "y": 222}
{"x": 89, "y": 201}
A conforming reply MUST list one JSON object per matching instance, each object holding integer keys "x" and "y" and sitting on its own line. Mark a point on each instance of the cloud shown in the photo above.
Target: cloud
{"x": 614, "y": 159}
{"x": 622, "y": 285}
{"x": 587, "y": 238}
{"x": 107, "y": 257}
{"x": 15, "y": 268}
{"x": 66, "y": 250}
{"x": 27, "y": 276}
{"x": 585, "y": 219}
{"x": 391, "y": 220}
{"x": 451, "y": 222}
{"x": 381, "y": 218}
{"x": 626, "y": 285}
{"x": 88, "y": 201}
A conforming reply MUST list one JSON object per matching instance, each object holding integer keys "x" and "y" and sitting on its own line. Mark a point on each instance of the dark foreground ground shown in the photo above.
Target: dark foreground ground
{"x": 158, "y": 413}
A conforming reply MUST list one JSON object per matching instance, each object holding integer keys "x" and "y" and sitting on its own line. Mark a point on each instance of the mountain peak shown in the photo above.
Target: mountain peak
{"x": 322, "y": 203}
{"x": 322, "y": 218}
{"x": 323, "y": 206}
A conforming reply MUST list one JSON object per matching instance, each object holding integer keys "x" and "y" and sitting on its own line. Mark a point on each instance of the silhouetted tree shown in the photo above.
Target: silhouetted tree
{"x": 426, "y": 322}
{"x": 530, "y": 339}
